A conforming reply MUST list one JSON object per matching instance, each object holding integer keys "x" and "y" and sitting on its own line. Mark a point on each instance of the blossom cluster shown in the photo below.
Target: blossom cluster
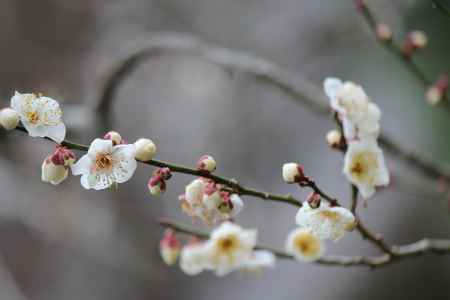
{"x": 228, "y": 248}
{"x": 109, "y": 161}
{"x": 364, "y": 164}
{"x": 207, "y": 201}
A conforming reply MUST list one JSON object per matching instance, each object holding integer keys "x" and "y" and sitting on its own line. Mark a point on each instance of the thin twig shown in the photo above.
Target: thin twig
{"x": 231, "y": 183}
{"x": 376, "y": 239}
{"x": 393, "y": 48}
{"x": 441, "y": 7}
{"x": 295, "y": 86}
{"x": 437, "y": 246}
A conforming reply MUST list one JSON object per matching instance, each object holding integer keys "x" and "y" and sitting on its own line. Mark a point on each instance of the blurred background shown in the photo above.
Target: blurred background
{"x": 67, "y": 243}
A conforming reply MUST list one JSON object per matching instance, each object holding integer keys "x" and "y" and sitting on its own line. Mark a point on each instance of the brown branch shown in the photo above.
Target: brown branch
{"x": 400, "y": 252}
{"x": 365, "y": 232}
{"x": 231, "y": 183}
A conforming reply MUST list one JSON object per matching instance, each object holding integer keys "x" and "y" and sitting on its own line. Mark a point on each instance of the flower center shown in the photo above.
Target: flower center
{"x": 33, "y": 117}
{"x": 364, "y": 166}
{"x": 307, "y": 244}
{"x": 103, "y": 162}
{"x": 228, "y": 245}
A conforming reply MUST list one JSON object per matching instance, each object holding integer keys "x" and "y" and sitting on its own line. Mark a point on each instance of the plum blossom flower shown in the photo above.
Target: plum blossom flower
{"x": 364, "y": 166}
{"x": 229, "y": 247}
{"x": 204, "y": 199}
{"x": 105, "y": 165}
{"x": 304, "y": 245}
{"x": 55, "y": 167}
{"x": 41, "y": 116}
{"x": 360, "y": 117}
{"x": 325, "y": 222}
{"x": 193, "y": 259}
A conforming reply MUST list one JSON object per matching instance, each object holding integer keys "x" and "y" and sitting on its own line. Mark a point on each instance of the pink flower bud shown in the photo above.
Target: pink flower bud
{"x": 169, "y": 247}
{"x": 360, "y": 5}
{"x": 383, "y": 32}
{"x": 52, "y": 173}
{"x": 63, "y": 157}
{"x": 156, "y": 185}
{"x": 206, "y": 163}
{"x": 414, "y": 41}
{"x": 165, "y": 173}
{"x": 437, "y": 91}
{"x": 314, "y": 200}
{"x": 114, "y": 136}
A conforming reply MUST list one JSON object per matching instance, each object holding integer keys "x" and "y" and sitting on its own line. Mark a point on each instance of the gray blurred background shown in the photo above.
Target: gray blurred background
{"x": 67, "y": 243}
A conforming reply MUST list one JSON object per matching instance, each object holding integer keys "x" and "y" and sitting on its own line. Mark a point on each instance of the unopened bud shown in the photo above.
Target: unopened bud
{"x": 54, "y": 174}
{"x": 145, "y": 149}
{"x": 334, "y": 138}
{"x": 9, "y": 118}
{"x": 156, "y": 185}
{"x": 206, "y": 163}
{"x": 63, "y": 157}
{"x": 314, "y": 200}
{"x": 292, "y": 172}
{"x": 383, "y": 32}
{"x": 418, "y": 39}
{"x": 437, "y": 91}
{"x": 55, "y": 167}
{"x": 165, "y": 173}
{"x": 114, "y": 136}
{"x": 169, "y": 247}
{"x": 360, "y": 5}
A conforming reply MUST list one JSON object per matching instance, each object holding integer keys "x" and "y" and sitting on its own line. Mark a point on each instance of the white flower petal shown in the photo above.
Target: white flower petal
{"x": 100, "y": 146}
{"x": 238, "y": 204}
{"x": 82, "y": 166}
{"x": 124, "y": 162}
{"x": 57, "y": 132}
{"x": 331, "y": 85}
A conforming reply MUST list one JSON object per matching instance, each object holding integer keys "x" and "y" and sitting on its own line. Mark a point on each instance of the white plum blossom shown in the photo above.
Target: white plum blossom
{"x": 325, "y": 222}
{"x": 193, "y": 259}
{"x": 105, "y": 165}
{"x": 9, "y": 118}
{"x": 41, "y": 116}
{"x": 229, "y": 248}
{"x": 203, "y": 199}
{"x": 304, "y": 245}
{"x": 360, "y": 117}
{"x": 364, "y": 166}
